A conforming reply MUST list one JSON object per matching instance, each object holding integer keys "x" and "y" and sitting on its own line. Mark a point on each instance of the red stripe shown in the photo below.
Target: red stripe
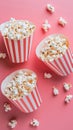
{"x": 19, "y": 50}
{"x": 67, "y": 63}
{"x": 63, "y": 65}
{"x": 69, "y": 57}
{"x": 13, "y": 48}
{"x": 22, "y": 100}
{"x": 8, "y": 49}
{"x": 30, "y": 102}
{"x": 24, "y": 41}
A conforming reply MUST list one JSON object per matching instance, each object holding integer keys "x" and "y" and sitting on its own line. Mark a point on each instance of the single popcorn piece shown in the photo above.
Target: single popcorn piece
{"x": 50, "y": 8}
{"x": 55, "y": 91}
{"x": 12, "y": 123}
{"x": 34, "y": 123}
{"x": 7, "y": 107}
{"x": 2, "y": 55}
{"x": 62, "y": 21}
{"x": 47, "y": 75}
{"x": 68, "y": 98}
{"x": 67, "y": 86}
{"x": 46, "y": 26}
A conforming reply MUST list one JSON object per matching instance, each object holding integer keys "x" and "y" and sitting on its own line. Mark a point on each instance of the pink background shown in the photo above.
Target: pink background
{"x": 53, "y": 114}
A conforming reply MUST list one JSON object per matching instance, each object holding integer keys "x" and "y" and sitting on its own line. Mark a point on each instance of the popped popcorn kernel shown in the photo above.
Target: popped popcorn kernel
{"x": 2, "y": 55}
{"x": 67, "y": 86}
{"x": 34, "y": 123}
{"x": 68, "y": 98}
{"x": 55, "y": 91}
{"x": 7, "y": 107}
{"x": 46, "y": 26}
{"x": 50, "y": 8}
{"x": 12, "y": 123}
{"x": 47, "y": 75}
{"x": 62, "y": 21}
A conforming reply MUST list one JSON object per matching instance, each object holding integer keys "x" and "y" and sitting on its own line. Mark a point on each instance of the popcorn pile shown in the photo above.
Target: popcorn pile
{"x": 34, "y": 123}
{"x": 17, "y": 29}
{"x": 53, "y": 48}
{"x": 12, "y": 123}
{"x": 21, "y": 84}
{"x": 7, "y": 107}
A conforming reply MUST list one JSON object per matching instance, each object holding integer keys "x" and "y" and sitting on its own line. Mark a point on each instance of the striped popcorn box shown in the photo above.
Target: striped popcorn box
{"x": 27, "y": 103}
{"x": 62, "y": 66}
{"x": 18, "y": 50}
{"x": 17, "y": 35}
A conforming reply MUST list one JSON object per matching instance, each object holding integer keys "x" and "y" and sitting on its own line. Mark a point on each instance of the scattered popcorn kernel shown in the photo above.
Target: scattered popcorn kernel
{"x": 62, "y": 21}
{"x": 34, "y": 123}
{"x": 67, "y": 86}
{"x": 46, "y": 26}
{"x": 50, "y": 8}
{"x": 55, "y": 91}
{"x": 47, "y": 75}
{"x": 12, "y": 123}
{"x": 2, "y": 55}
{"x": 7, "y": 107}
{"x": 68, "y": 98}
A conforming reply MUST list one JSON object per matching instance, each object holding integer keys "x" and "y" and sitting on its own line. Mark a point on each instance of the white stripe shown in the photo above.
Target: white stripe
{"x": 35, "y": 95}
{"x": 27, "y": 103}
{"x": 22, "y": 50}
{"x": 59, "y": 64}
{"x": 26, "y": 49}
{"x": 32, "y": 101}
{"x": 68, "y": 61}
{"x": 22, "y": 105}
{"x": 65, "y": 65}
{"x": 38, "y": 94}
{"x": 16, "y": 50}
{"x": 11, "y": 50}
{"x": 31, "y": 37}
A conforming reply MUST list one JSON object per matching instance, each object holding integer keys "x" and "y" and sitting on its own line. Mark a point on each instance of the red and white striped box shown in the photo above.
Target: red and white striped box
{"x": 30, "y": 102}
{"x": 27, "y": 103}
{"x": 18, "y": 50}
{"x": 62, "y": 65}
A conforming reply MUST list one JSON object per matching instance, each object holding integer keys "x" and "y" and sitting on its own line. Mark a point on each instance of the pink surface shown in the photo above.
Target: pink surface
{"x": 53, "y": 113}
